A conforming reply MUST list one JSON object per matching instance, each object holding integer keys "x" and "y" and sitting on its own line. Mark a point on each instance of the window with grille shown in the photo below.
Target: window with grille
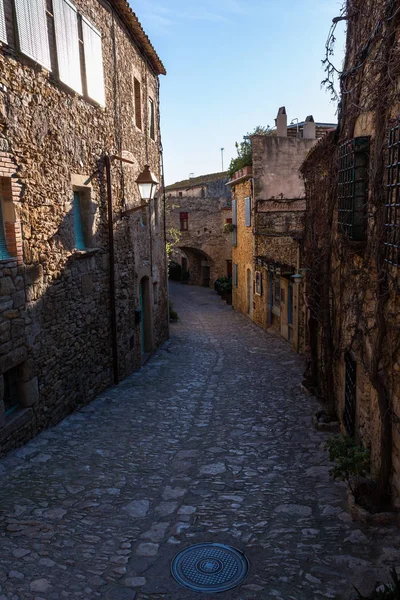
{"x": 349, "y": 413}
{"x": 392, "y": 217}
{"x": 353, "y": 188}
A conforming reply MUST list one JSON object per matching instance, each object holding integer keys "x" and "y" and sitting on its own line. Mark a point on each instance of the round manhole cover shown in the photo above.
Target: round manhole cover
{"x": 210, "y": 567}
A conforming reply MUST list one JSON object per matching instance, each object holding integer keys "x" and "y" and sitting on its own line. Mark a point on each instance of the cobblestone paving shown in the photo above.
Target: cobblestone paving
{"x": 210, "y": 441}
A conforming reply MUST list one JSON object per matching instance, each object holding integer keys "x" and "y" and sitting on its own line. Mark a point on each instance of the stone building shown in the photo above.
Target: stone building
{"x": 198, "y": 209}
{"x": 269, "y": 202}
{"x": 83, "y": 267}
{"x": 353, "y": 246}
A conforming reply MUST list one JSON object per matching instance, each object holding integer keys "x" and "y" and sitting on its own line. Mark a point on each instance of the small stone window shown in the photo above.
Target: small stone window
{"x": 8, "y": 246}
{"x": 152, "y": 119}
{"x": 184, "y": 221}
{"x": 82, "y": 219}
{"x": 138, "y": 103}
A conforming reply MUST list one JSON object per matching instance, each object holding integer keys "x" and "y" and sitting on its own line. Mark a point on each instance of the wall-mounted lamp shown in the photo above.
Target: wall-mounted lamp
{"x": 297, "y": 279}
{"x": 147, "y": 183}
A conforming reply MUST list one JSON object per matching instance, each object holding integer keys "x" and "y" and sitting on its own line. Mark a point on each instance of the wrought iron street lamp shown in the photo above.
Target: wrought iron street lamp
{"x": 147, "y": 183}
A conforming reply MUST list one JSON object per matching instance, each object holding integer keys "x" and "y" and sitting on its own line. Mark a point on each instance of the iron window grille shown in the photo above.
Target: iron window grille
{"x": 349, "y": 413}
{"x": 353, "y": 188}
{"x": 392, "y": 216}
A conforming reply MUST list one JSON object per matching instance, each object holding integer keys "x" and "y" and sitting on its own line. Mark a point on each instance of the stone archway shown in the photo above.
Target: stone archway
{"x": 200, "y": 266}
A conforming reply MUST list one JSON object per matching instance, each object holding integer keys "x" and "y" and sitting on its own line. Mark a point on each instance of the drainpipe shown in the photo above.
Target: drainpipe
{"x": 113, "y": 313}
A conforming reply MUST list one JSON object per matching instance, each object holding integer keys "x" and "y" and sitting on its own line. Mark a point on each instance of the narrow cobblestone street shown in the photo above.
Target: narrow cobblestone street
{"x": 210, "y": 441}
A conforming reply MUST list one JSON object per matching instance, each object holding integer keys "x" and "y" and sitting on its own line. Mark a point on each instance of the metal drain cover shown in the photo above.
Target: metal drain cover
{"x": 210, "y": 567}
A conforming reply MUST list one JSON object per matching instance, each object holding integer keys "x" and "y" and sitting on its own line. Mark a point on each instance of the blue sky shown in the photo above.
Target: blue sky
{"x": 230, "y": 65}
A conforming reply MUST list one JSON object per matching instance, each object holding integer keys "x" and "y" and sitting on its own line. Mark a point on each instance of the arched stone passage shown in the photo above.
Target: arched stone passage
{"x": 199, "y": 265}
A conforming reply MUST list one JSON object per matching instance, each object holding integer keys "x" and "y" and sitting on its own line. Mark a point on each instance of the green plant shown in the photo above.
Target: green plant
{"x": 351, "y": 459}
{"x": 173, "y": 238}
{"x": 244, "y": 151}
{"x": 229, "y": 227}
{"x": 387, "y": 591}
{"x": 173, "y": 315}
{"x": 225, "y": 284}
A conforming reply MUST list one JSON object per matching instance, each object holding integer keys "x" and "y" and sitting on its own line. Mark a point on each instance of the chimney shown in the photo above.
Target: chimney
{"x": 281, "y": 123}
{"x": 309, "y": 129}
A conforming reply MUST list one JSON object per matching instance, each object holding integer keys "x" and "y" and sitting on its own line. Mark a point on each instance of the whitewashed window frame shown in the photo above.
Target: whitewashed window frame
{"x": 67, "y": 44}
{"x": 33, "y": 37}
{"x": 93, "y": 57}
{"x": 3, "y": 28}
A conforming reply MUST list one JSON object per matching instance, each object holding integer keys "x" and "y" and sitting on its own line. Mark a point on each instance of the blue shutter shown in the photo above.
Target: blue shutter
{"x": 4, "y": 253}
{"x": 78, "y": 229}
{"x": 247, "y": 204}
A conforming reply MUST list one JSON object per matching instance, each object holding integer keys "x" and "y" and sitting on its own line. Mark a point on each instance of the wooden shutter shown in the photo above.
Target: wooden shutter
{"x": 247, "y": 205}
{"x": 3, "y": 31}
{"x": 32, "y": 31}
{"x": 67, "y": 41}
{"x": 93, "y": 62}
{"x": 234, "y": 218}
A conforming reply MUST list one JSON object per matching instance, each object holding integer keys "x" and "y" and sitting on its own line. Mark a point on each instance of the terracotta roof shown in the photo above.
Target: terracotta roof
{"x": 134, "y": 25}
{"x": 195, "y": 181}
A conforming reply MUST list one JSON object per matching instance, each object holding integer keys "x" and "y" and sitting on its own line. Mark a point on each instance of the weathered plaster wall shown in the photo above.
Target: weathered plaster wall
{"x": 276, "y": 164}
{"x": 55, "y": 302}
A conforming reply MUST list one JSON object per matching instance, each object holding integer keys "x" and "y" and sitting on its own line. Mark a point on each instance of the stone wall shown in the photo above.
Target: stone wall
{"x": 207, "y": 202}
{"x": 55, "y": 322}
